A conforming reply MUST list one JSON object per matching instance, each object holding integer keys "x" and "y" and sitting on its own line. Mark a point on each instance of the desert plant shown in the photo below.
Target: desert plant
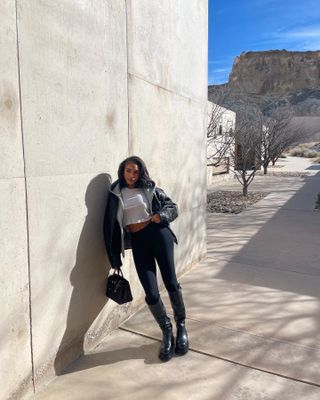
{"x": 303, "y": 151}
{"x": 308, "y": 150}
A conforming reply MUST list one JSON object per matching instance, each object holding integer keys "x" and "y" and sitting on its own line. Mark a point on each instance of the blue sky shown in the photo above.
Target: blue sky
{"x": 255, "y": 25}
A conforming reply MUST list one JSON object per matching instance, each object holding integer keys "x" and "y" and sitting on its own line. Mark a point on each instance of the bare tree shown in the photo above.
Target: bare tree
{"x": 279, "y": 132}
{"x": 244, "y": 154}
{"x": 219, "y": 134}
{"x": 257, "y": 140}
{"x": 240, "y": 144}
{"x": 288, "y": 136}
{"x": 276, "y": 136}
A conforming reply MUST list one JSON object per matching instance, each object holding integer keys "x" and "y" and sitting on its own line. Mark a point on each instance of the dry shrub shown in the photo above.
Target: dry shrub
{"x": 305, "y": 150}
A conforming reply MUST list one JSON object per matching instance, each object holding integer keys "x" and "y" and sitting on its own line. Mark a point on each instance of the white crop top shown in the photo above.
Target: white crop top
{"x": 135, "y": 206}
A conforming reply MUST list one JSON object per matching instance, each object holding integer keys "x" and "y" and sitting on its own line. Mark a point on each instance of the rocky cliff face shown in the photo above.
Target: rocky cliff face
{"x": 276, "y": 72}
{"x": 272, "y": 79}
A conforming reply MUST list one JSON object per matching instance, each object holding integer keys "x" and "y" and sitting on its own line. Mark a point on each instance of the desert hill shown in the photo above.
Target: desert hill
{"x": 276, "y": 72}
{"x": 272, "y": 79}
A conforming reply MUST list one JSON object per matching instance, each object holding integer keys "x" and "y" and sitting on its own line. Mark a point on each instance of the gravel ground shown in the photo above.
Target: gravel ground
{"x": 285, "y": 174}
{"x": 232, "y": 202}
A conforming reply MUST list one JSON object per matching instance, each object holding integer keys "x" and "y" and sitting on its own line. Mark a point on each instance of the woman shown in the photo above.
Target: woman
{"x": 140, "y": 211}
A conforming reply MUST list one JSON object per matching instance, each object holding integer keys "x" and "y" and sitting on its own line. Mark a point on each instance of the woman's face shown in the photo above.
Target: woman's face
{"x": 131, "y": 174}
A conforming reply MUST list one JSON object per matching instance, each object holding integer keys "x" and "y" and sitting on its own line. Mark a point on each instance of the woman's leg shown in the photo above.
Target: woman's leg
{"x": 146, "y": 269}
{"x": 145, "y": 265}
{"x": 163, "y": 245}
{"x": 164, "y": 254}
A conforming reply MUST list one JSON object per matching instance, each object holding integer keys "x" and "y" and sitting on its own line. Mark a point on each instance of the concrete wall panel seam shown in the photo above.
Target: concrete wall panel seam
{"x": 127, "y": 60}
{"x": 26, "y": 198}
{"x": 193, "y": 99}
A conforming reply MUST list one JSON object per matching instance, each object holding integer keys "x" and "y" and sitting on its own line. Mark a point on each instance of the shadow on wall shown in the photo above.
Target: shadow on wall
{"x": 88, "y": 275}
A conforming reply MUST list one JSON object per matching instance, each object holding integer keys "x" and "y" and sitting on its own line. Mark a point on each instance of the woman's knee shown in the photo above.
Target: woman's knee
{"x": 152, "y": 298}
{"x": 172, "y": 286}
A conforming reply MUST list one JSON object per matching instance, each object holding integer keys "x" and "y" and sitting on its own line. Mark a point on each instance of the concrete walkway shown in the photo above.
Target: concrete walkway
{"x": 253, "y": 313}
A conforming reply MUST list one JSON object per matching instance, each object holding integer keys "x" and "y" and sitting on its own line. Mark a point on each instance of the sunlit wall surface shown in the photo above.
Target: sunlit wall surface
{"x": 83, "y": 84}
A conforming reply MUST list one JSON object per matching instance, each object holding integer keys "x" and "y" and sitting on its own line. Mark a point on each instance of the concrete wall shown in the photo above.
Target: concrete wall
{"x": 15, "y": 355}
{"x": 83, "y": 84}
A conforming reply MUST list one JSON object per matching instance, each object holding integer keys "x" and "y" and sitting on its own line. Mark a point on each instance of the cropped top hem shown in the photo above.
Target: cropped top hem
{"x": 140, "y": 221}
{"x": 135, "y": 206}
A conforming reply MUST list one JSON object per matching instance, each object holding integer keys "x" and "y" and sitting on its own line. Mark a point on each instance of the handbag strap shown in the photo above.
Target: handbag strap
{"x": 118, "y": 271}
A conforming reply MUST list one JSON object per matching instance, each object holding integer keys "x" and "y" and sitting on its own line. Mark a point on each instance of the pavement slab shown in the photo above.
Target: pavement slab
{"x": 295, "y": 164}
{"x": 125, "y": 366}
{"x": 253, "y": 312}
{"x": 240, "y": 240}
{"x": 239, "y": 346}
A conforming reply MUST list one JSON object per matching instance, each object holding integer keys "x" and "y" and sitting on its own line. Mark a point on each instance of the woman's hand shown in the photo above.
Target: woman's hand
{"x": 156, "y": 218}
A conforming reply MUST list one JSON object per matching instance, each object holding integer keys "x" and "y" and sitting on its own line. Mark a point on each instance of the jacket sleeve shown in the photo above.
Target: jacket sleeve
{"x": 168, "y": 209}
{"x": 111, "y": 233}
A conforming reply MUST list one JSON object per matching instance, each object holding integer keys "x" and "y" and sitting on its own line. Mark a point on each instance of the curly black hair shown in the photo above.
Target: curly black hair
{"x": 144, "y": 178}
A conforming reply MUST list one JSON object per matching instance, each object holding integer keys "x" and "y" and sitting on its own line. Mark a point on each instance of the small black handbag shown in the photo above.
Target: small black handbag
{"x": 118, "y": 288}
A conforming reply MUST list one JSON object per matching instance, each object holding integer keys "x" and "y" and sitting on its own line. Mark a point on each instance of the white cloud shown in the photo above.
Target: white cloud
{"x": 299, "y": 39}
{"x": 311, "y": 45}
{"x": 220, "y": 70}
{"x": 302, "y": 33}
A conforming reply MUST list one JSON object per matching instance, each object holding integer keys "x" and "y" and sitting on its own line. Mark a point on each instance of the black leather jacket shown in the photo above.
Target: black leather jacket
{"x": 116, "y": 238}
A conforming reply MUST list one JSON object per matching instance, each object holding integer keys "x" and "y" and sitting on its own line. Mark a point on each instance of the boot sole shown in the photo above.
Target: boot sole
{"x": 167, "y": 357}
{"x": 182, "y": 352}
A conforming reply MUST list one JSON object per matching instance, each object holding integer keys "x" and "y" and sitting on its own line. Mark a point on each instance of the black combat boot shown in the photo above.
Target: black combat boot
{"x": 179, "y": 311}
{"x": 167, "y": 345}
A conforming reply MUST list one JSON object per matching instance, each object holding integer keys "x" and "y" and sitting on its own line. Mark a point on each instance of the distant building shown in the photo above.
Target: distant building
{"x": 221, "y": 125}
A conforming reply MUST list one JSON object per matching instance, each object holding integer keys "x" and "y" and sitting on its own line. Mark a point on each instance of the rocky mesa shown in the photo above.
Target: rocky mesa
{"x": 275, "y": 72}
{"x": 272, "y": 79}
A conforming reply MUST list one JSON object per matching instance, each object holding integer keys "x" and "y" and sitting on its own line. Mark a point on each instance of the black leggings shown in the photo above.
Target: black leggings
{"x": 155, "y": 242}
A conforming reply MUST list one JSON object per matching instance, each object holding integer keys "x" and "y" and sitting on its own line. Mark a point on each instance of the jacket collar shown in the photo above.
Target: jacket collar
{"x": 115, "y": 188}
{"x": 149, "y": 191}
